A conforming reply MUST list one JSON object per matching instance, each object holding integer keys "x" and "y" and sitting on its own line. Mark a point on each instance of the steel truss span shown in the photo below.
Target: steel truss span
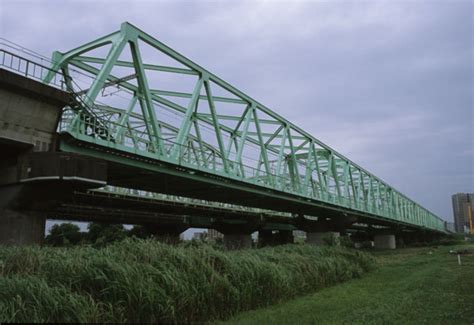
{"x": 138, "y": 96}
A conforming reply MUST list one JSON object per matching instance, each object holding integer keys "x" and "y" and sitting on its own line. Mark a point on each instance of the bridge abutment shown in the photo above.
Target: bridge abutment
{"x": 33, "y": 176}
{"x": 39, "y": 183}
{"x": 21, "y": 227}
{"x": 29, "y": 114}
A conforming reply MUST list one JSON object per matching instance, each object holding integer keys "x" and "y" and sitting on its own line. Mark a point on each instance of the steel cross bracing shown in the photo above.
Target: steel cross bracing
{"x": 148, "y": 100}
{"x": 183, "y": 200}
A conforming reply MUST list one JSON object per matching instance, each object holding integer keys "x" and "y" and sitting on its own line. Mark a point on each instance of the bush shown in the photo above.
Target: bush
{"x": 346, "y": 241}
{"x": 64, "y": 234}
{"x": 147, "y": 281}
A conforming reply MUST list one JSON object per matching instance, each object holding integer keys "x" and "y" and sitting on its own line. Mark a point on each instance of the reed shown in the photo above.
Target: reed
{"x": 147, "y": 281}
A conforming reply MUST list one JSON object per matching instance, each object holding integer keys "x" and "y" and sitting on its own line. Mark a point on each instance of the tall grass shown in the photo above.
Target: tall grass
{"x": 147, "y": 281}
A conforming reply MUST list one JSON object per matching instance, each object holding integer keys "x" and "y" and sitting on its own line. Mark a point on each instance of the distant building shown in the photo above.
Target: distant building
{"x": 463, "y": 209}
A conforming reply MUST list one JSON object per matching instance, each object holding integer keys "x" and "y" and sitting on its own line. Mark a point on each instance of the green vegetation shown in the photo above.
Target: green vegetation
{"x": 102, "y": 233}
{"x": 98, "y": 234}
{"x": 64, "y": 234}
{"x": 411, "y": 286}
{"x": 147, "y": 281}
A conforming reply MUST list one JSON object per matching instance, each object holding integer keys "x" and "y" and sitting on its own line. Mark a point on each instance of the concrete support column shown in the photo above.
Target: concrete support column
{"x": 385, "y": 241}
{"x": 237, "y": 240}
{"x": 285, "y": 237}
{"x": 274, "y": 237}
{"x": 407, "y": 237}
{"x": 166, "y": 234}
{"x": 400, "y": 242}
{"x": 321, "y": 238}
{"x": 265, "y": 238}
{"x": 21, "y": 227}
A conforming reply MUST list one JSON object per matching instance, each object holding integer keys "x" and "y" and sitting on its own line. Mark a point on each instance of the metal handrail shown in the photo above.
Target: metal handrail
{"x": 30, "y": 69}
{"x": 36, "y": 71}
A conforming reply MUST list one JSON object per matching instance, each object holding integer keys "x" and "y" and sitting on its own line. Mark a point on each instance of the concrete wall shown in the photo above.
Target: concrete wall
{"x": 237, "y": 241}
{"x": 385, "y": 242}
{"x": 32, "y": 176}
{"x": 29, "y": 110}
{"x": 21, "y": 228}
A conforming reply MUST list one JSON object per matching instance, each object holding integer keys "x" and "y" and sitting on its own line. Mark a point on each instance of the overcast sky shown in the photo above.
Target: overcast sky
{"x": 388, "y": 84}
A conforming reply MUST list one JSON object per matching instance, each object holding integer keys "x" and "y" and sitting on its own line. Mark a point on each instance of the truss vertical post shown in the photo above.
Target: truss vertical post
{"x": 215, "y": 123}
{"x": 243, "y": 137}
{"x": 187, "y": 119}
{"x": 292, "y": 164}
{"x": 156, "y": 138}
{"x": 281, "y": 153}
{"x": 263, "y": 149}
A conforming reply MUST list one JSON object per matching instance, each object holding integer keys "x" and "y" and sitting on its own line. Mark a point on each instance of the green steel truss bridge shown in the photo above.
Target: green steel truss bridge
{"x": 144, "y": 106}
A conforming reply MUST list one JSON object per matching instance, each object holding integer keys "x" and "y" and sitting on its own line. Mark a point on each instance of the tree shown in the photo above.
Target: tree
{"x": 64, "y": 234}
{"x": 103, "y": 233}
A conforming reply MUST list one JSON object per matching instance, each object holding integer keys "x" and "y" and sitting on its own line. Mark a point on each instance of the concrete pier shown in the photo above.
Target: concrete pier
{"x": 21, "y": 227}
{"x": 285, "y": 237}
{"x": 385, "y": 242}
{"x": 237, "y": 241}
{"x": 274, "y": 237}
{"x": 399, "y": 241}
{"x": 321, "y": 238}
{"x": 265, "y": 238}
{"x": 168, "y": 234}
